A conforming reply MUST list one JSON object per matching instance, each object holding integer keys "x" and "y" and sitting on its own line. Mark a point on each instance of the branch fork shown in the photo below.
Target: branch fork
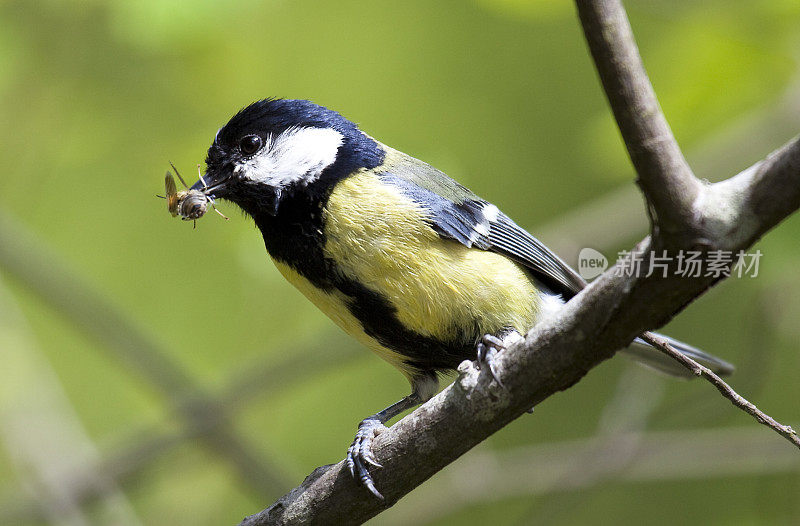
{"x": 686, "y": 214}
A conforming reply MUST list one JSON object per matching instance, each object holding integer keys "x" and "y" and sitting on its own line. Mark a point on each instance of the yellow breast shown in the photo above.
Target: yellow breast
{"x": 439, "y": 287}
{"x": 334, "y": 305}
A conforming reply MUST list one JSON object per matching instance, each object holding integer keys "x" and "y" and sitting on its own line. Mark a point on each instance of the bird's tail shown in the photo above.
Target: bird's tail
{"x": 644, "y": 353}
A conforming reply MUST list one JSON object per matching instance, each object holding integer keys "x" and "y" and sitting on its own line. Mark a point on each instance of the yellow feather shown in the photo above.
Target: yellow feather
{"x": 439, "y": 287}
{"x": 334, "y": 305}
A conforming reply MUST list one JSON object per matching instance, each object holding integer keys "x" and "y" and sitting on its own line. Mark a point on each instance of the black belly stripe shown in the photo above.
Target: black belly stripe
{"x": 379, "y": 320}
{"x": 296, "y": 237}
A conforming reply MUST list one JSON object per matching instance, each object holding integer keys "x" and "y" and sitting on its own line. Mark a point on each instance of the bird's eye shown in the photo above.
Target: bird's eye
{"x": 250, "y": 144}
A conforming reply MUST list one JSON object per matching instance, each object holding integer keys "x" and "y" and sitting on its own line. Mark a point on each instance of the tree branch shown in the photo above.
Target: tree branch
{"x": 727, "y": 391}
{"x": 745, "y": 206}
{"x": 664, "y": 175}
{"x": 604, "y": 317}
{"x": 607, "y": 315}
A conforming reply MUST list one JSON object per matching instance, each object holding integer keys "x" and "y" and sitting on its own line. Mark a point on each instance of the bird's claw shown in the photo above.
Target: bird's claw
{"x": 360, "y": 455}
{"x": 488, "y": 347}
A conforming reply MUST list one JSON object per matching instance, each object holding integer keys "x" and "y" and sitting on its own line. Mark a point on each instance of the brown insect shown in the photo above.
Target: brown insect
{"x": 191, "y": 205}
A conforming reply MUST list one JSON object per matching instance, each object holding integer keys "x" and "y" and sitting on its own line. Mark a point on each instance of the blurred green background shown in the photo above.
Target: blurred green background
{"x": 155, "y": 374}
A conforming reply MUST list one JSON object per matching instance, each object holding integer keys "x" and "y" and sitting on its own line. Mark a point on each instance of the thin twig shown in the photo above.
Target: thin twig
{"x": 726, "y": 390}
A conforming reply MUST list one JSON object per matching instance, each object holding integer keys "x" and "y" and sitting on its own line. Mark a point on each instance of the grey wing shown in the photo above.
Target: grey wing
{"x": 456, "y": 213}
{"x": 509, "y": 239}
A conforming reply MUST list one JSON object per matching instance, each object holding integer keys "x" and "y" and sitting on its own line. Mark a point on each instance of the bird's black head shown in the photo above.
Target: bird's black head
{"x": 275, "y": 148}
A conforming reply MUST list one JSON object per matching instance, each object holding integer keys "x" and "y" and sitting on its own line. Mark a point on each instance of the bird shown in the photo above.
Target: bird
{"x": 406, "y": 260}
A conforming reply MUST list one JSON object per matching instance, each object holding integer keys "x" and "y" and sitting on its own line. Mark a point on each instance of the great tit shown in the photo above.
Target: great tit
{"x": 404, "y": 259}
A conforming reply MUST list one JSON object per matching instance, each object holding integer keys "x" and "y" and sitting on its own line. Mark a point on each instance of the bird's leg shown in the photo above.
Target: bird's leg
{"x": 488, "y": 347}
{"x": 360, "y": 456}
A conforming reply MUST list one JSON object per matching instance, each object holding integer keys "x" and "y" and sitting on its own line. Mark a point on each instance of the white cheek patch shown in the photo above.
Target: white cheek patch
{"x": 296, "y": 155}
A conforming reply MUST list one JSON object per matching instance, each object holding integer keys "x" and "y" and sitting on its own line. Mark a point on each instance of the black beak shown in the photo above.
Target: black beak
{"x": 220, "y": 182}
{"x": 213, "y": 182}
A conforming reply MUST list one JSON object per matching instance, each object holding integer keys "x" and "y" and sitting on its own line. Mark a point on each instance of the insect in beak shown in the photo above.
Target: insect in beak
{"x": 205, "y": 189}
{"x": 190, "y": 204}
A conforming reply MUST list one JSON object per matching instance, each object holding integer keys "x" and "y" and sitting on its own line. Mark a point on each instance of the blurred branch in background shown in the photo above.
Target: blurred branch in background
{"x": 549, "y": 468}
{"x": 43, "y": 435}
{"x": 616, "y": 217}
{"x": 618, "y": 436}
{"x": 40, "y": 271}
{"x": 696, "y": 409}
{"x": 141, "y": 448}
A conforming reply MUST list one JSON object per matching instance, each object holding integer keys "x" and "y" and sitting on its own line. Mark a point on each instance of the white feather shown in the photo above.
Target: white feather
{"x": 296, "y": 155}
{"x": 490, "y": 212}
{"x": 511, "y": 338}
{"x": 550, "y": 305}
